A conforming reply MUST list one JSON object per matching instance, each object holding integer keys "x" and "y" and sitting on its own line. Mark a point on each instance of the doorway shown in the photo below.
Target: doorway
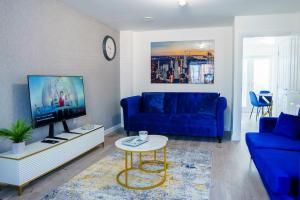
{"x": 260, "y": 79}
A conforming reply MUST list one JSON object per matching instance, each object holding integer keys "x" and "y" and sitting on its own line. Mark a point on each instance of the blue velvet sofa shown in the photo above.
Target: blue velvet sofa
{"x": 175, "y": 113}
{"x": 277, "y": 159}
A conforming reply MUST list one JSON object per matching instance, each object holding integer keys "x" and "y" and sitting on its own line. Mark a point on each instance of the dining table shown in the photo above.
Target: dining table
{"x": 266, "y": 99}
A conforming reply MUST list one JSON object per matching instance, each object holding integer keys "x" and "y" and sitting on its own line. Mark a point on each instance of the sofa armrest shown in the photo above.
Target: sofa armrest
{"x": 267, "y": 124}
{"x": 221, "y": 106}
{"x": 131, "y": 106}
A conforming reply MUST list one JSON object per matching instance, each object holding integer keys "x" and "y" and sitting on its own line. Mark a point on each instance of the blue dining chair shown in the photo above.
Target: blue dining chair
{"x": 255, "y": 103}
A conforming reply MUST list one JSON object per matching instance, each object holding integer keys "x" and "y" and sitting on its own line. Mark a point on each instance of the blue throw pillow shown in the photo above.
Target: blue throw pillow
{"x": 153, "y": 102}
{"x": 288, "y": 126}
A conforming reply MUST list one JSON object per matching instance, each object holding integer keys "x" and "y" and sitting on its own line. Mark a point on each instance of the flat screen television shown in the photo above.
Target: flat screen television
{"x": 55, "y": 98}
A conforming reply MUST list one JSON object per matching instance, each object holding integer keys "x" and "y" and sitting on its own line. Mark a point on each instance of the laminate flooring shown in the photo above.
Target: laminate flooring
{"x": 233, "y": 175}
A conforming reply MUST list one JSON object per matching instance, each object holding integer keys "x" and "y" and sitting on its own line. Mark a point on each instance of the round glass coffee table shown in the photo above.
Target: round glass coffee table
{"x": 155, "y": 143}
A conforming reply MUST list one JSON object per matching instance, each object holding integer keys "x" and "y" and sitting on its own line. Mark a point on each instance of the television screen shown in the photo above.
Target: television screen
{"x": 55, "y": 98}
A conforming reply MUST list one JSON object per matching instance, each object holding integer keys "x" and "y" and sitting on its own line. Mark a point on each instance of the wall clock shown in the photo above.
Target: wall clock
{"x": 109, "y": 48}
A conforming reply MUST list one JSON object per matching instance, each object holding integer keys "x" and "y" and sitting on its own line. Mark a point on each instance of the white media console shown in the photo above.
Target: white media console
{"x": 41, "y": 158}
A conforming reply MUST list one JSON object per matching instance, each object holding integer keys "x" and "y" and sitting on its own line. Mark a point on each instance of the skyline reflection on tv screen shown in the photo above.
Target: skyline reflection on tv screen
{"x": 55, "y": 98}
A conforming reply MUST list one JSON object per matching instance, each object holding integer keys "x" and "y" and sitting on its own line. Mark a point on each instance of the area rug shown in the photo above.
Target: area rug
{"x": 189, "y": 178}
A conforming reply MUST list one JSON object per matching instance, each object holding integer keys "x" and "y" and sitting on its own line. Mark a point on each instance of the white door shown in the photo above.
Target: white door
{"x": 288, "y": 76}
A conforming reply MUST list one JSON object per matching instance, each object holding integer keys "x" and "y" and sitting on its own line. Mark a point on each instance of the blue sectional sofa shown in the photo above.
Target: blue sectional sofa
{"x": 172, "y": 113}
{"x": 277, "y": 159}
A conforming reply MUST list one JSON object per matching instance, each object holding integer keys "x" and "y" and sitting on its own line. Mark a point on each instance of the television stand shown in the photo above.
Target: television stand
{"x": 65, "y": 125}
{"x": 51, "y": 132}
{"x": 66, "y": 128}
{"x": 40, "y": 158}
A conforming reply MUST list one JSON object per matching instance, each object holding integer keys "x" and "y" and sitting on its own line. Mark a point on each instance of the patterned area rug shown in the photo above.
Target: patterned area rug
{"x": 189, "y": 178}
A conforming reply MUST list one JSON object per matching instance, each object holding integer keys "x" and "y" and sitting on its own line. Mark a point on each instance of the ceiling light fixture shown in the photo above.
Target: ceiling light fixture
{"x": 182, "y": 3}
{"x": 148, "y": 19}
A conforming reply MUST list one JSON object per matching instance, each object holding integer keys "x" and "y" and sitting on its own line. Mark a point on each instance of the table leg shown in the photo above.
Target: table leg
{"x": 125, "y": 172}
{"x": 141, "y": 160}
{"x": 126, "y": 168}
{"x": 131, "y": 159}
{"x": 154, "y": 155}
{"x": 20, "y": 190}
{"x": 165, "y": 161}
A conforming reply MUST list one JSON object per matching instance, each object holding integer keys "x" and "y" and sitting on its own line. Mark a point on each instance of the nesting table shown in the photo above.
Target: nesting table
{"x": 155, "y": 144}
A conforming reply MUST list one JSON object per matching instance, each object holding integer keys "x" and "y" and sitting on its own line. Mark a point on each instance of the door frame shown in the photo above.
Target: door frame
{"x": 238, "y": 74}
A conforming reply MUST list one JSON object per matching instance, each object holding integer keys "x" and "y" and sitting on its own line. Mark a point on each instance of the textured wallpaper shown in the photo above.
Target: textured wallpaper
{"x": 49, "y": 37}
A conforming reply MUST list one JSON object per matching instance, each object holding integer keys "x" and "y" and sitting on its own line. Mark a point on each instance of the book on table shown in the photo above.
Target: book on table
{"x": 134, "y": 141}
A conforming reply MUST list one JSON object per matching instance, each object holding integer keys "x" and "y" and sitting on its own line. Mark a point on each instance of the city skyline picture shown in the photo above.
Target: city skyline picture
{"x": 183, "y": 62}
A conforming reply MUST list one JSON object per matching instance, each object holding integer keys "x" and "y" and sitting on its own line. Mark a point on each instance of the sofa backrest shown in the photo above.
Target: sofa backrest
{"x": 197, "y": 103}
{"x": 180, "y": 102}
{"x": 170, "y": 102}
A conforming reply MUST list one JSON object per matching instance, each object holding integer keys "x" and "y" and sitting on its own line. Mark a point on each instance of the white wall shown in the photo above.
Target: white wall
{"x": 255, "y": 47}
{"x": 126, "y": 63}
{"x": 48, "y": 37}
{"x": 141, "y": 59}
{"x": 248, "y": 26}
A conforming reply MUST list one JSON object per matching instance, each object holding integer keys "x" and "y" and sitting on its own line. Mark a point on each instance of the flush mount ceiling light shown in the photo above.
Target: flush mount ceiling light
{"x": 182, "y": 3}
{"x": 148, "y": 19}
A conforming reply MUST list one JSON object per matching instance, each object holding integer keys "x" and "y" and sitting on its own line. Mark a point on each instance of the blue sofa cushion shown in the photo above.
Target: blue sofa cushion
{"x": 279, "y": 170}
{"x": 152, "y": 122}
{"x": 170, "y": 105}
{"x": 150, "y": 118}
{"x": 205, "y": 103}
{"x": 267, "y": 124}
{"x": 194, "y": 124}
{"x": 288, "y": 126}
{"x": 271, "y": 141}
{"x": 153, "y": 102}
{"x": 178, "y": 124}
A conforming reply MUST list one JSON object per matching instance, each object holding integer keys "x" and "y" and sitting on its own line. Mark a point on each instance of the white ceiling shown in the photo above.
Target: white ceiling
{"x": 129, "y": 14}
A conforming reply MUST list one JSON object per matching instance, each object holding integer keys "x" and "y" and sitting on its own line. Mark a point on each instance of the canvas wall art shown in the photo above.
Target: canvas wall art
{"x": 185, "y": 62}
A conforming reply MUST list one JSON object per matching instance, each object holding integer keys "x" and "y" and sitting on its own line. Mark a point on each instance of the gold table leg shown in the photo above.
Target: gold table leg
{"x": 20, "y": 190}
{"x": 131, "y": 159}
{"x": 141, "y": 162}
{"x": 155, "y": 162}
{"x": 126, "y": 169}
{"x": 165, "y": 161}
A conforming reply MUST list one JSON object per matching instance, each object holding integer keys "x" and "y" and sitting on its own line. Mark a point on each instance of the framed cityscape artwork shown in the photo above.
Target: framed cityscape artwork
{"x": 183, "y": 62}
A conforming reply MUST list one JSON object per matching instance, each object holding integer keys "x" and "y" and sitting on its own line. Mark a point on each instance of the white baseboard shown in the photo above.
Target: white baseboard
{"x": 112, "y": 129}
{"x": 235, "y": 137}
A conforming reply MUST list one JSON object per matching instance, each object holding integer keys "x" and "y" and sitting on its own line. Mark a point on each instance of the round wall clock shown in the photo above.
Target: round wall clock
{"x": 109, "y": 47}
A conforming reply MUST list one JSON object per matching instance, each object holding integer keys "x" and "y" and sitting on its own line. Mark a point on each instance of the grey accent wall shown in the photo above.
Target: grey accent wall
{"x": 49, "y": 37}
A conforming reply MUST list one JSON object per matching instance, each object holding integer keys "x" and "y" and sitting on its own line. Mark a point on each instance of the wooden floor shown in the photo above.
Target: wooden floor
{"x": 233, "y": 175}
